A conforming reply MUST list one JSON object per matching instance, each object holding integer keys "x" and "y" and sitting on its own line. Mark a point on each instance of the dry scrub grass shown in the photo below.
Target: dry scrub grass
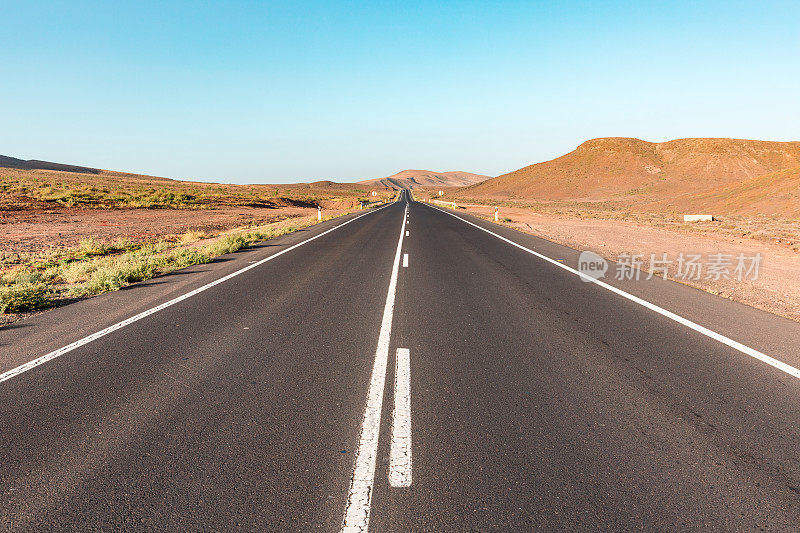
{"x": 35, "y": 281}
{"x": 20, "y": 189}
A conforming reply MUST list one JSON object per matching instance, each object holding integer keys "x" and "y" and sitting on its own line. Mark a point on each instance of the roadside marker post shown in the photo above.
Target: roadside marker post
{"x": 496, "y": 217}
{"x": 319, "y": 214}
{"x": 454, "y": 204}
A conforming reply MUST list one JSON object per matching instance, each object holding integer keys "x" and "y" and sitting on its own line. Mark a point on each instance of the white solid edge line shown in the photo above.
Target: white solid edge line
{"x": 400, "y": 451}
{"x": 780, "y": 365}
{"x": 359, "y": 498}
{"x": 405, "y": 260}
{"x": 119, "y": 325}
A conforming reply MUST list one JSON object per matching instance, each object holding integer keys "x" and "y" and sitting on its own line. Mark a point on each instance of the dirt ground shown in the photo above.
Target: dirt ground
{"x": 30, "y": 236}
{"x": 42, "y": 229}
{"x": 777, "y": 288}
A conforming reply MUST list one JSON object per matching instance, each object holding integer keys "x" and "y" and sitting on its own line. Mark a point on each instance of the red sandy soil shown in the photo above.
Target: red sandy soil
{"x": 36, "y": 230}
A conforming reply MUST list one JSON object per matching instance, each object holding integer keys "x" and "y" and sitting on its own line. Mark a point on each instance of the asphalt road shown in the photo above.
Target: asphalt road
{"x": 277, "y": 400}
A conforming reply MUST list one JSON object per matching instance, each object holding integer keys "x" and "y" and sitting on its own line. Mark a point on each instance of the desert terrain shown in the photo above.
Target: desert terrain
{"x": 631, "y": 173}
{"x": 69, "y": 232}
{"x": 612, "y": 196}
{"x": 619, "y": 195}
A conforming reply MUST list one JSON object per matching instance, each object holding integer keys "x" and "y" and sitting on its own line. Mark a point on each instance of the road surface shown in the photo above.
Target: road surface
{"x": 402, "y": 369}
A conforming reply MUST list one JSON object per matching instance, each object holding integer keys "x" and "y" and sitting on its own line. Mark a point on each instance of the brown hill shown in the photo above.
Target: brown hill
{"x": 773, "y": 194}
{"x": 636, "y": 170}
{"x": 35, "y": 164}
{"x": 425, "y": 178}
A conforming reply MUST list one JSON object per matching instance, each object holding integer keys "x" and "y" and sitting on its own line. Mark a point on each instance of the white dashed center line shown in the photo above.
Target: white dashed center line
{"x": 400, "y": 452}
{"x": 359, "y": 499}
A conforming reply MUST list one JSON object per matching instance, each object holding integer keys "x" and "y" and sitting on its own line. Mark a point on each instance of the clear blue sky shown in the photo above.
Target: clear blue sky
{"x": 295, "y": 91}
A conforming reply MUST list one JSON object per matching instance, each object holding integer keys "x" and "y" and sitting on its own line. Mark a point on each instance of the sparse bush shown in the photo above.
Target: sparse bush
{"x": 21, "y": 276}
{"x": 183, "y": 258}
{"x": 78, "y": 272}
{"x": 122, "y": 243}
{"x": 23, "y": 297}
{"x": 91, "y": 246}
{"x": 93, "y": 267}
{"x": 192, "y": 236}
{"x": 227, "y": 244}
{"x": 113, "y": 275}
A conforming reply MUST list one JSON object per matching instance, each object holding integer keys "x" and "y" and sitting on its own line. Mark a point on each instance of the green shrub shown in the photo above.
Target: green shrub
{"x": 182, "y": 258}
{"x": 192, "y": 236}
{"x": 78, "y": 271}
{"x": 23, "y": 297}
{"x": 91, "y": 246}
{"x": 227, "y": 244}
{"x": 22, "y": 276}
{"x": 114, "y": 275}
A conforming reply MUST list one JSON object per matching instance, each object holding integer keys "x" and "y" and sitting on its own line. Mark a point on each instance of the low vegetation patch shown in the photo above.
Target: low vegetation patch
{"x": 23, "y": 297}
{"x": 106, "y": 190}
{"x": 35, "y": 281}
